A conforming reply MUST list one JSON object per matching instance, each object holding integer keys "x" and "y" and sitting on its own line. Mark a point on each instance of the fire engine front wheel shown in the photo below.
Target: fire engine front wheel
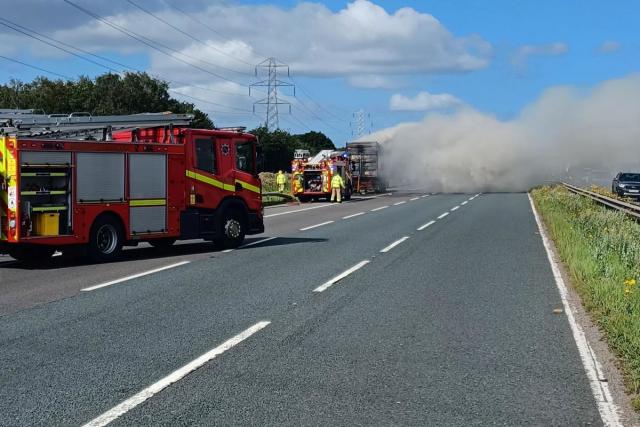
{"x": 232, "y": 230}
{"x": 106, "y": 239}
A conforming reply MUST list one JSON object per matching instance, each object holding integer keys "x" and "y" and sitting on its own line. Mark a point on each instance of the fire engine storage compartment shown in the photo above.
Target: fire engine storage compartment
{"x": 45, "y": 193}
{"x": 312, "y": 181}
{"x": 147, "y": 193}
{"x": 101, "y": 178}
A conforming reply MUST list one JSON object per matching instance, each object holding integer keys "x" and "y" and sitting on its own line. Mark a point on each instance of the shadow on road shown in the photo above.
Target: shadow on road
{"x": 144, "y": 253}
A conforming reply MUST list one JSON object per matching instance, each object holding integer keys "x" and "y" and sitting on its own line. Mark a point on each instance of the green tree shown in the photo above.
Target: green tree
{"x": 278, "y": 146}
{"x": 108, "y": 94}
{"x": 316, "y": 141}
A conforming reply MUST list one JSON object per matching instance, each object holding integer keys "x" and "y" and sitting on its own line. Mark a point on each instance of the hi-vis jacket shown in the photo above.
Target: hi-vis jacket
{"x": 337, "y": 182}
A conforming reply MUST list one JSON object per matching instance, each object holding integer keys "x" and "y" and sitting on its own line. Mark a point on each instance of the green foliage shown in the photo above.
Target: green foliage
{"x": 278, "y": 146}
{"x": 601, "y": 249}
{"x": 108, "y": 94}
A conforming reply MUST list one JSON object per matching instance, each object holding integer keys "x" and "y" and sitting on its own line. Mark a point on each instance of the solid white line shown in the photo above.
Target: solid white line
{"x": 341, "y": 276}
{"x": 400, "y": 203}
{"x": 413, "y": 199}
{"x": 226, "y": 251}
{"x": 314, "y": 226}
{"x": 257, "y": 242}
{"x": 464, "y": 203}
{"x": 426, "y": 195}
{"x": 600, "y": 389}
{"x": 443, "y": 215}
{"x": 422, "y": 227}
{"x": 455, "y": 208}
{"x": 299, "y": 210}
{"x": 134, "y": 276}
{"x": 121, "y": 409}
{"x": 354, "y": 215}
{"x": 380, "y": 208}
{"x": 394, "y": 244}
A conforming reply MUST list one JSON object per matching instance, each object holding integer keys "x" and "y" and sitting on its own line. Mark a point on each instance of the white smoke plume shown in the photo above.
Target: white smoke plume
{"x": 566, "y": 131}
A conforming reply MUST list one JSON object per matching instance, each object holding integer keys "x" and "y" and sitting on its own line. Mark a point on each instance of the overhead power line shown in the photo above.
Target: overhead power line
{"x": 148, "y": 12}
{"x": 112, "y": 61}
{"x": 108, "y": 60}
{"x": 7, "y": 24}
{"x": 222, "y": 36}
{"x": 44, "y": 70}
{"x": 153, "y": 44}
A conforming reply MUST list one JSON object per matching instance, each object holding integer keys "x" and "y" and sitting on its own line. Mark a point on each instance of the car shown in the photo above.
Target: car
{"x": 626, "y": 184}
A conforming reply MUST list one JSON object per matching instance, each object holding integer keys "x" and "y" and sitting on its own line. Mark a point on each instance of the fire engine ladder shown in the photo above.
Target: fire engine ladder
{"x": 29, "y": 123}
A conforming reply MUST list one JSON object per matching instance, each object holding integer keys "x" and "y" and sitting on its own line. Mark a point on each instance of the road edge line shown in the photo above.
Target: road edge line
{"x": 606, "y": 407}
{"x": 175, "y": 376}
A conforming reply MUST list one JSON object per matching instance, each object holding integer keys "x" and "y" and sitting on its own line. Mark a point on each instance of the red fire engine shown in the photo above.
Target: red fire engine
{"x": 311, "y": 177}
{"x": 99, "y": 183}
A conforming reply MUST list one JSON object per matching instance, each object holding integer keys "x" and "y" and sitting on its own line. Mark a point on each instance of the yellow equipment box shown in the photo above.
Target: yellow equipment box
{"x": 46, "y": 224}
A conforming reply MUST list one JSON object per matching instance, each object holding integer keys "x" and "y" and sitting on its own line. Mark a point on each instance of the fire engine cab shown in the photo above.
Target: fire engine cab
{"x": 311, "y": 176}
{"x": 98, "y": 183}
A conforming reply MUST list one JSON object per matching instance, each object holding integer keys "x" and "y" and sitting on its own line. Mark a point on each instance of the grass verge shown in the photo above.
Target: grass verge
{"x": 601, "y": 250}
{"x": 269, "y": 185}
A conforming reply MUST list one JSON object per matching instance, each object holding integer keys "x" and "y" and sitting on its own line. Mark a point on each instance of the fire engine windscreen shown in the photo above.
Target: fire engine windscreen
{"x": 581, "y": 136}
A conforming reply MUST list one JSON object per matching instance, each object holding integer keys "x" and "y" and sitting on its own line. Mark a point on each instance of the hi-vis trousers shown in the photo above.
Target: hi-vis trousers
{"x": 336, "y": 194}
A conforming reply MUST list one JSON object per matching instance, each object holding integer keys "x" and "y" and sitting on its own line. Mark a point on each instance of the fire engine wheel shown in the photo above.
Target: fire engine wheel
{"x": 106, "y": 240}
{"x": 232, "y": 230}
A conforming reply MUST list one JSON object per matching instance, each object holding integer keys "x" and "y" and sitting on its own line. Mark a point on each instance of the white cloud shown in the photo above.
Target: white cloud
{"x": 372, "y": 81}
{"x": 361, "y": 39}
{"x": 609, "y": 47}
{"x": 424, "y": 101}
{"x": 522, "y": 55}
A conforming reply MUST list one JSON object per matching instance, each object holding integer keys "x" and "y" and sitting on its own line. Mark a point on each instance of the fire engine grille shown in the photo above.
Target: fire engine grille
{"x": 100, "y": 177}
{"x": 146, "y": 219}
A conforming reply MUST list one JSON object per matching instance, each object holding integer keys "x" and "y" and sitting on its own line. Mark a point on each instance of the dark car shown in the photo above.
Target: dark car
{"x": 626, "y": 184}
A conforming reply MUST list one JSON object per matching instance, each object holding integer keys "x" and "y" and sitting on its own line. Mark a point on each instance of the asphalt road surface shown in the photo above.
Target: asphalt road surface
{"x": 404, "y": 309}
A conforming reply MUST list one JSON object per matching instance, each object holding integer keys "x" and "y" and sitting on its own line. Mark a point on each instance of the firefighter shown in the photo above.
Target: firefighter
{"x": 281, "y": 180}
{"x": 337, "y": 184}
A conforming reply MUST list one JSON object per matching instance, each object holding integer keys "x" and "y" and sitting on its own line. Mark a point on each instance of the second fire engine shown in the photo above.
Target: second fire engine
{"x": 311, "y": 176}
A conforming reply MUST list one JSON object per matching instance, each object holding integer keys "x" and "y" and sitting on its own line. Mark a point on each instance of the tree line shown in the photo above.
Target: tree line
{"x": 133, "y": 93}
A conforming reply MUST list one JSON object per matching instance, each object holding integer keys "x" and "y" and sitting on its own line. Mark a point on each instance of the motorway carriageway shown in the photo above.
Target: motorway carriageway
{"x": 405, "y": 309}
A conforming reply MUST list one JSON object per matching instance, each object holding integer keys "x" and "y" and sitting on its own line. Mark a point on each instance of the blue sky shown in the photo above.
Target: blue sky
{"x": 530, "y": 46}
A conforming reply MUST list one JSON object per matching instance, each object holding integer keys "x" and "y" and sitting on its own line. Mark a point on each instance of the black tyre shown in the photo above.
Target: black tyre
{"x": 106, "y": 239}
{"x": 231, "y": 229}
{"x": 164, "y": 243}
{"x": 303, "y": 199}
